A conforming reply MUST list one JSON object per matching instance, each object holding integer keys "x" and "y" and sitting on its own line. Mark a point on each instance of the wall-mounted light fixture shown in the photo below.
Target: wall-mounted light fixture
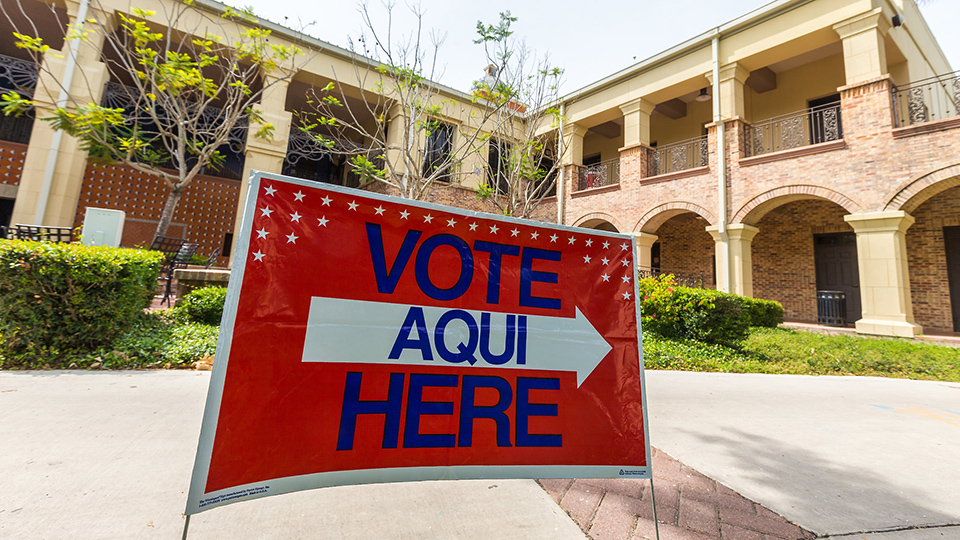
{"x": 897, "y": 20}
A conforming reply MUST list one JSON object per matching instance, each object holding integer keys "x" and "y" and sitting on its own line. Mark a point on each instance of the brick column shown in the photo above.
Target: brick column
{"x": 70, "y": 162}
{"x": 740, "y": 240}
{"x": 884, "y": 275}
{"x": 867, "y": 110}
{"x": 633, "y": 163}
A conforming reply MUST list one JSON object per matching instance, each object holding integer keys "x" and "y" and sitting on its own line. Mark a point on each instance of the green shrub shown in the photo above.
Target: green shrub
{"x": 765, "y": 313}
{"x": 686, "y": 313}
{"x": 56, "y": 299}
{"x": 203, "y": 305}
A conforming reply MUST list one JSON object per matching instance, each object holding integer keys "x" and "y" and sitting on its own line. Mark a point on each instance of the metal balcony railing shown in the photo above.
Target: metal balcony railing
{"x": 677, "y": 157}
{"x": 605, "y": 173}
{"x": 926, "y": 100}
{"x": 693, "y": 280}
{"x": 811, "y": 126}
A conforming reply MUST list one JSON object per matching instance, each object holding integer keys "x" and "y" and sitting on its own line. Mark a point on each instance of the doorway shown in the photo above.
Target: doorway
{"x": 835, "y": 257}
{"x": 951, "y": 240}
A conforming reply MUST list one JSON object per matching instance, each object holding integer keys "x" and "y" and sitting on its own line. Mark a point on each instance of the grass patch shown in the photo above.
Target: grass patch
{"x": 781, "y": 350}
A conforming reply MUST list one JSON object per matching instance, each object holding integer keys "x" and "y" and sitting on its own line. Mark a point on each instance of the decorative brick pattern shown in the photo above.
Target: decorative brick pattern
{"x": 926, "y": 252}
{"x": 756, "y": 208}
{"x": 12, "y": 156}
{"x": 690, "y": 506}
{"x": 204, "y": 214}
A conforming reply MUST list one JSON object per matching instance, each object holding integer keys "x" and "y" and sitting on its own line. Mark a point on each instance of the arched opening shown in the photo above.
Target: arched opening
{"x": 684, "y": 248}
{"x": 599, "y": 224}
{"x": 933, "y": 253}
{"x": 805, "y": 246}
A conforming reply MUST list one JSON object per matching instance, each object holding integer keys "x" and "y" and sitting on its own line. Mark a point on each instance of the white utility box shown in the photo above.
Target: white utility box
{"x": 103, "y": 227}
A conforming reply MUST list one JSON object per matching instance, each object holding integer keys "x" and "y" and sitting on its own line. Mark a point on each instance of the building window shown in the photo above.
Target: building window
{"x": 438, "y": 151}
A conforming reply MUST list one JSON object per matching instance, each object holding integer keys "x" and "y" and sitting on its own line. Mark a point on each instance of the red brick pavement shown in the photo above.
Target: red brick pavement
{"x": 690, "y": 506}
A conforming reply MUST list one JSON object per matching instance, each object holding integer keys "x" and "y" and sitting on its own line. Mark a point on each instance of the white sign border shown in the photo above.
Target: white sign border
{"x": 198, "y": 501}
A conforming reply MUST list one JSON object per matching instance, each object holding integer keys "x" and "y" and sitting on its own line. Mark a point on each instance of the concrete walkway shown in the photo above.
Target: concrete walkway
{"x": 835, "y": 455}
{"x": 87, "y": 455}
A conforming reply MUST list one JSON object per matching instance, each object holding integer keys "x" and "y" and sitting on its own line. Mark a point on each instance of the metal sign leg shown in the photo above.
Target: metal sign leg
{"x": 653, "y": 499}
{"x": 186, "y": 525}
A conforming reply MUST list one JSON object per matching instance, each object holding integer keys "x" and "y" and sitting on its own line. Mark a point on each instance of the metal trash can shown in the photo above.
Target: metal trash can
{"x": 832, "y": 308}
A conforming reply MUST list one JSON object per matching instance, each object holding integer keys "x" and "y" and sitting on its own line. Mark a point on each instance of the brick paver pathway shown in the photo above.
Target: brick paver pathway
{"x": 690, "y": 506}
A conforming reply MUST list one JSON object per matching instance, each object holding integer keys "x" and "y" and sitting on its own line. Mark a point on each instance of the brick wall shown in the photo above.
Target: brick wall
{"x": 204, "y": 214}
{"x": 686, "y": 248}
{"x": 783, "y": 261}
{"x": 929, "y": 287}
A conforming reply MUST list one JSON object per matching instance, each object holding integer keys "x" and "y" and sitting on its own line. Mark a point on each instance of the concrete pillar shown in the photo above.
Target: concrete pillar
{"x": 70, "y": 162}
{"x": 636, "y": 122}
{"x": 263, "y": 155}
{"x": 643, "y": 255}
{"x": 884, "y": 275}
{"x": 735, "y": 271}
{"x": 732, "y": 78}
{"x": 573, "y": 142}
{"x": 864, "y": 54}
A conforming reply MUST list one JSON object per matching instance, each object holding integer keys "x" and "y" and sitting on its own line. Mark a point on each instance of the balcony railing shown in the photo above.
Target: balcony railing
{"x": 19, "y": 76}
{"x": 605, "y": 173}
{"x": 812, "y": 126}
{"x": 681, "y": 156}
{"x": 693, "y": 280}
{"x": 926, "y": 100}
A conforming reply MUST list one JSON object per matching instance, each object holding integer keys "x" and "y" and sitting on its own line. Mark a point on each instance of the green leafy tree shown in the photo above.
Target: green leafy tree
{"x": 183, "y": 94}
{"x": 399, "y": 128}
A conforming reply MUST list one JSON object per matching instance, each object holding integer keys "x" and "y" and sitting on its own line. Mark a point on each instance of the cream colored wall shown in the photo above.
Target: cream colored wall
{"x": 915, "y": 42}
{"x": 795, "y": 87}
{"x": 665, "y": 130}
{"x": 607, "y": 148}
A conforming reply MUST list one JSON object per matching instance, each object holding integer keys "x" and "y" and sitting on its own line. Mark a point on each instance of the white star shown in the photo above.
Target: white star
{"x": 514, "y": 232}
{"x": 623, "y": 247}
{"x": 258, "y": 256}
{"x": 586, "y": 258}
{"x": 353, "y": 205}
{"x": 404, "y": 214}
{"x": 326, "y": 201}
{"x": 322, "y": 221}
{"x": 605, "y": 277}
{"x": 626, "y": 279}
{"x": 473, "y": 226}
{"x": 262, "y": 233}
{"x": 534, "y": 235}
{"x": 571, "y": 240}
{"x": 379, "y": 210}
{"x": 295, "y": 217}
{"x": 451, "y": 222}
{"x": 292, "y": 238}
{"x": 589, "y": 242}
{"x": 626, "y": 296}
{"x": 553, "y": 238}
{"x": 494, "y": 229}
{"x": 427, "y": 218}
{"x": 606, "y": 245}
{"x": 298, "y": 196}
{"x": 270, "y": 190}
{"x": 266, "y": 211}
{"x": 625, "y": 262}
{"x": 605, "y": 261}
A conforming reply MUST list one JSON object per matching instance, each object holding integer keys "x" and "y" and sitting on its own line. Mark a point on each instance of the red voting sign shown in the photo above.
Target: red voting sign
{"x": 369, "y": 339}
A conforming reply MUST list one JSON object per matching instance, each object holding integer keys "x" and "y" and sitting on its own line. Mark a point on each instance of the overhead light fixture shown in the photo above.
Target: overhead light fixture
{"x": 704, "y": 96}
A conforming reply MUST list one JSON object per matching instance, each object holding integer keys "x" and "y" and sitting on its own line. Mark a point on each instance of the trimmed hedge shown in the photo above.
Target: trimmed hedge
{"x": 58, "y": 299}
{"x": 204, "y": 305}
{"x": 703, "y": 315}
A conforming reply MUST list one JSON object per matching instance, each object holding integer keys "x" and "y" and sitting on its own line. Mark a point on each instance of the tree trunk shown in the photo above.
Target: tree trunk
{"x": 167, "y": 215}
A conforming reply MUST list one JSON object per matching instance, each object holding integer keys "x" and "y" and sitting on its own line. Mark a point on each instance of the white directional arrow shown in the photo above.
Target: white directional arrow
{"x": 359, "y": 332}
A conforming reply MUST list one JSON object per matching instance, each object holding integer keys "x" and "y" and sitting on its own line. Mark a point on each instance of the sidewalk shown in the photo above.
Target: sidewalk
{"x": 690, "y": 506}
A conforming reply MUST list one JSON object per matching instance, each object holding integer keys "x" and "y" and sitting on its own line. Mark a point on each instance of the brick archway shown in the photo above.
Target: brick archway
{"x": 757, "y": 207}
{"x": 919, "y": 190}
{"x": 598, "y": 216}
{"x": 655, "y": 217}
